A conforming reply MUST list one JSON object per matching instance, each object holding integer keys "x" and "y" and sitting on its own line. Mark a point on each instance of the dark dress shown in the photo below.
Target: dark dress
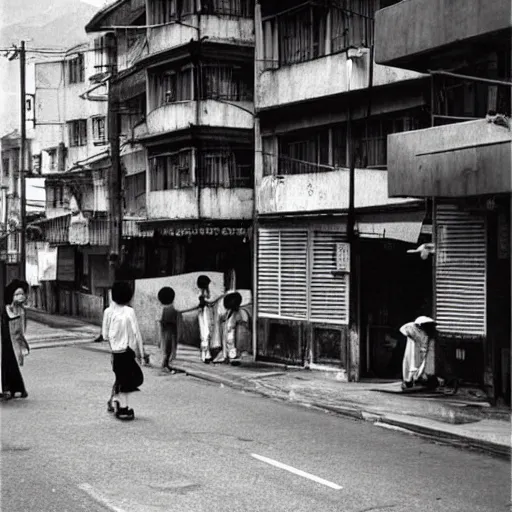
{"x": 12, "y": 381}
{"x": 128, "y": 373}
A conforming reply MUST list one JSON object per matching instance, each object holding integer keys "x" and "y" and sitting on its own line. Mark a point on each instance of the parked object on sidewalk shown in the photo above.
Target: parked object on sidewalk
{"x": 14, "y": 345}
{"x": 168, "y": 326}
{"x": 121, "y": 330}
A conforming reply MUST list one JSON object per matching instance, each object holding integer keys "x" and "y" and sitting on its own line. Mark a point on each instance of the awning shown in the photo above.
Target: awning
{"x": 131, "y": 85}
{"x": 404, "y": 226}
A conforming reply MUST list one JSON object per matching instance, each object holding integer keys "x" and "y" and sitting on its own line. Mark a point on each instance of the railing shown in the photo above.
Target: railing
{"x": 287, "y": 165}
{"x": 238, "y": 8}
{"x": 231, "y": 176}
{"x": 457, "y": 98}
{"x": 312, "y": 30}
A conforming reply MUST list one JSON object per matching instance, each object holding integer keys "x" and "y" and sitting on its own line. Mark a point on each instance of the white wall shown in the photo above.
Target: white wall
{"x": 181, "y": 115}
{"x": 194, "y": 203}
{"x": 322, "y": 191}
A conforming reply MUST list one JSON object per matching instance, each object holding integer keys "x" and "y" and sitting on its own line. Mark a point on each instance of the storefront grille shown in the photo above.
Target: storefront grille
{"x": 460, "y": 275}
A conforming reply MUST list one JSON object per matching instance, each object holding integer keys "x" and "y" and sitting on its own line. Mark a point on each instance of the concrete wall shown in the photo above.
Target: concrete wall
{"x": 321, "y": 77}
{"x": 215, "y": 28}
{"x": 194, "y": 203}
{"x": 148, "y": 309}
{"x": 413, "y": 27}
{"x": 322, "y": 191}
{"x": 181, "y": 115}
{"x": 462, "y": 159}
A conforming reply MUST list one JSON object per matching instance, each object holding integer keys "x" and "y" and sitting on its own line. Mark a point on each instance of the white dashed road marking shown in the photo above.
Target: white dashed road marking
{"x": 298, "y": 472}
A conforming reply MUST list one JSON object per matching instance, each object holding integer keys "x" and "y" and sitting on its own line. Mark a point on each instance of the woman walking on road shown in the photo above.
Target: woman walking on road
{"x": 14, "y": 346}
{"x": 121, "y": 330}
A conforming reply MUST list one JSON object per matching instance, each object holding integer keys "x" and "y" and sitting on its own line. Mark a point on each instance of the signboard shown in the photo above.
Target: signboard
{"x": 343, "y": 257}
{"x": 201, "y": 230}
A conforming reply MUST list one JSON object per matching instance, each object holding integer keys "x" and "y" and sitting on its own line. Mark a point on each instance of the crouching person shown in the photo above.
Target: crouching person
{"x": 121, "y": 330}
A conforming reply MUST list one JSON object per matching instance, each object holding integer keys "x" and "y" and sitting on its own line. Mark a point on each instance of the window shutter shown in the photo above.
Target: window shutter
{"x": 460, "y": 273}
{"x": 268, "y": 272}
{"x": 329, "y": 292}
{"x": 293, "y": 268}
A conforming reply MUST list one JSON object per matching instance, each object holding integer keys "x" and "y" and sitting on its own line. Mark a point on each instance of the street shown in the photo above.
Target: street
{"x": 198, "y": 447}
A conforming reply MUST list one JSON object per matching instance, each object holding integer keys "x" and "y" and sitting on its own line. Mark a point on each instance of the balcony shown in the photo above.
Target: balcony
{"x": 322, "y": 77}
{"x": 455, "y": 160}
{"x": 417, "y": 34}
{"x": 182, "y": 115}
{"x": 216, "y": 29}
{"x": 200, "y": 203}
{"x": 322, "y": 190}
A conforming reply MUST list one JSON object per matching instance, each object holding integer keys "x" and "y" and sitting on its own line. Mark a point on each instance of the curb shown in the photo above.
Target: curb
{"x": 361, "y": 415}
{"x": 56, "y": 344}
{"x": 450, "y": 438}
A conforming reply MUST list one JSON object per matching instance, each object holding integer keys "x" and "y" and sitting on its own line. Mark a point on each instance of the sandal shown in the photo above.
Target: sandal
{"x": 124, "y": 413}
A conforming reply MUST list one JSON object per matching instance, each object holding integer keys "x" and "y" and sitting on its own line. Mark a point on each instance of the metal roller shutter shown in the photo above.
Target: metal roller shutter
{"x": 460, "y": 273}
{"x": 329, "y": 292}
{"x": 294, "y": 275}
{"x": 268, "y": 272}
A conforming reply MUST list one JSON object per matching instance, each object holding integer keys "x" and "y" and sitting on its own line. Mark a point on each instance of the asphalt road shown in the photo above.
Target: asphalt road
{"x": 200, "y": 447}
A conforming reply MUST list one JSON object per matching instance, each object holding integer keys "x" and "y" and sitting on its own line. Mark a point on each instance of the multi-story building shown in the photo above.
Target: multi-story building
{"x": 462, "y": 162}
{"x": 10, "y": 189}
{"x": 189, "y": 163}
{"x": 70, "y": 138}
{"x": 323, "y": 104}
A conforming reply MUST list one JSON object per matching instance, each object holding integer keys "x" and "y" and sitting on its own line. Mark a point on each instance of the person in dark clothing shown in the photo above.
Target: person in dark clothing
{"x": 168, "y": 327}
{"x": 14, "y": 346}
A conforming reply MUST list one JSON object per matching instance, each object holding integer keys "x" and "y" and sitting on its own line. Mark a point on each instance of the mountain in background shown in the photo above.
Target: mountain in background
{"x": 44, "y": 24}
{"x": 59, "y": 23}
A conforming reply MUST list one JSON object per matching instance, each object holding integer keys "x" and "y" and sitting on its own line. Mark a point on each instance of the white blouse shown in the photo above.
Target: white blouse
{"x": 121, "y": 329}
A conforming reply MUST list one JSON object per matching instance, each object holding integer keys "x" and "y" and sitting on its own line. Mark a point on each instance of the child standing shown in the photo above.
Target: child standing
{"x": 121, "y": 330}
{"x": 168, "y": 326}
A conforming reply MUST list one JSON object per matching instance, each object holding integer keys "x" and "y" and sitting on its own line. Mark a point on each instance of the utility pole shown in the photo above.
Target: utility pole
{"x": 115, "y": 175}
{"x": 23, "y": 144}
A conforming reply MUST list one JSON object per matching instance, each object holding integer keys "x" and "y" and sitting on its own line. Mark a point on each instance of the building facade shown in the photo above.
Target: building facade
{"x": 72, "y": 148}
{"x": 188, "y": 153}
{"x": 463, "y": 163}
{"x": 328, "y": 295}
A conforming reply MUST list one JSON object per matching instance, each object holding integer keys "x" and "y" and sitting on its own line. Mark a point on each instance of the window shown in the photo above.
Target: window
{"x": 77, "y": 132}
{"x": 171, "y": 171}
{"x": 103, "y": 53}
{"x": 304, "y": 152}
{"x": 351, "y": 25}
{"x": 229, "y": 83}
{"x": 5, "y": 166}
{"x": 316, "y": 29}
{"x": 172, "y": 86}
{"x": 98, "y": 130}
{"x": 242, "y": 8}
{"x": 227, "y": 168}
{"x": 52, "y": 159}
{"x": 55, "y": 196}
{"x": 370, "y": 144}
{"x": 76, "y": 69}
{"x": 302, "y": 35}
{"x": 166, "y": 11}
{"x": 135, "y": 192}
